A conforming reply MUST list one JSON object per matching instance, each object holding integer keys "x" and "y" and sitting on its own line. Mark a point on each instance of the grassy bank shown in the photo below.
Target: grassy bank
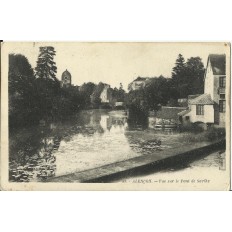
{"x": 210, "y": 135}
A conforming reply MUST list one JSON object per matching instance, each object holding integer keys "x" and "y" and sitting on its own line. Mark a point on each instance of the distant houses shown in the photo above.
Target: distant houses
{"x": 138, "y": 83}
{"x": 210, "y": 107}
{"x": 109, "y": 97}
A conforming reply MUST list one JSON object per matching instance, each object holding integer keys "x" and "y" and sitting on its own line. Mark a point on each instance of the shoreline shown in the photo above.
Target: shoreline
{"x": 142, "y": 165}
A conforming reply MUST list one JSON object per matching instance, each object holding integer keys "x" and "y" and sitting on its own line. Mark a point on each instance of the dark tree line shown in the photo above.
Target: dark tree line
{"x": 23, "y": 107}
{"x": 187, "y": 79}
{"x": 155, "y": 93}
{"x": 36, "y": 95}
{"x": 91, "y": 94}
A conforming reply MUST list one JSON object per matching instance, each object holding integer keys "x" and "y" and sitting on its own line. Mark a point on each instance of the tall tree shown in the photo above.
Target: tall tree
{"x": 179, "y": 70}
{"x": 195, "y": 74}
{"x": 46, "y": 67}
{"x": 48, "y": 87}
{"x": 22, "y": 94}
{"x": 188, "y": 77}
{"x": 179, "y": 77}
{"x": 20, "y": 74}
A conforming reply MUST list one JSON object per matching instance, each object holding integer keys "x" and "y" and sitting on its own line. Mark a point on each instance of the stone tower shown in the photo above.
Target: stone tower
{"x": 66, "y": 79}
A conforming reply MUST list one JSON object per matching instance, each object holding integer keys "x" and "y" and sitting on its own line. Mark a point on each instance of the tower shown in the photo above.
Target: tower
{"x": 66, "y": 79}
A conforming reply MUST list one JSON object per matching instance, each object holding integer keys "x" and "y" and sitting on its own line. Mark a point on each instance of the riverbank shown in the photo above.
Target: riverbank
{"x": 143, "y": 165}
{"x": 208, "y": 166}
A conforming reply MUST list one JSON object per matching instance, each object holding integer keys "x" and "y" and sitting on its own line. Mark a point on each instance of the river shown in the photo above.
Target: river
{"x": 91, "y": 139}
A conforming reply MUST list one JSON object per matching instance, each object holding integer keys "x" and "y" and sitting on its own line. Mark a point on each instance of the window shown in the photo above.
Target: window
{"x": 222, "y": 82}
{"x": 222, "y": 96}
{"x": 200, "y": 109}
{"x": 187, "y": 117}
{"x": 222, "y": 106}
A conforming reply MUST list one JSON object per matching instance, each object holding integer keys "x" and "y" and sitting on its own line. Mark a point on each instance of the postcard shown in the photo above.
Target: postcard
{"x": 115, "y": 116}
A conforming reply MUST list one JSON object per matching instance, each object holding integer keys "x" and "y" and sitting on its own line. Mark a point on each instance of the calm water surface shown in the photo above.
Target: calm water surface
{"x": 88, "y": 140}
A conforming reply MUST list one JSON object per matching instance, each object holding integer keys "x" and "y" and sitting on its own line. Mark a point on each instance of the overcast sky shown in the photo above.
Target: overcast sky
{"x": 113, "y": 63}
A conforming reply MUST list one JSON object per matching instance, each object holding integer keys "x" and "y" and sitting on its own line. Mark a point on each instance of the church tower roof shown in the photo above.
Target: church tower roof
{"x": 66, "y": 73}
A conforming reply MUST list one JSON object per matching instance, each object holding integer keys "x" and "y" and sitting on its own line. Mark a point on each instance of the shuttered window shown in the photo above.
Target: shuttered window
{"x": 222, "y": 82}
{"x": 222, "y": 106}
{"x": 200, "y": 109}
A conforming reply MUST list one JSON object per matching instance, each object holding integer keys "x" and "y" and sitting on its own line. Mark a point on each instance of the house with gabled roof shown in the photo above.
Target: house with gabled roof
{"x": 200, "y": 109}
{"x": 210, "y": 107}
{"x": 138, "y": 83}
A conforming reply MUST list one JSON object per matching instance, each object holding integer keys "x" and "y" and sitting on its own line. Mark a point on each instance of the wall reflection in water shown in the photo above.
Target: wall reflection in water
{"x": 33, "y": 157}
{"x": 89, "y": 140}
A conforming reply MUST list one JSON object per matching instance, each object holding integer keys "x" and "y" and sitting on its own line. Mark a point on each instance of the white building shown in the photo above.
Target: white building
{"x": 209, "y": 107}
{"x": 138, "y": 83}
{"x": 105, "y": 95}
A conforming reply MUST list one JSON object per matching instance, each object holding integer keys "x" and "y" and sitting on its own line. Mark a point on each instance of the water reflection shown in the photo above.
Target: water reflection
{"x": 39, "y": 165}
{"x": 62, "y": 148}
{"x": 89, "y": 140}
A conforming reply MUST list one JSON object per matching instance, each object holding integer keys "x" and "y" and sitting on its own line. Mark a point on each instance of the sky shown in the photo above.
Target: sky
{"x": 115, "y": 63}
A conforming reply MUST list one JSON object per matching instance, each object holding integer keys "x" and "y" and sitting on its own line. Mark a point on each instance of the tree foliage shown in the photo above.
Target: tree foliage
{"x": 22, "y": 91}
{"x": 179, "y": 77}
{"x": 38, "y": 95}
{"x": 195, "y": 73}
{"x": 46, "y": 67}
{"x": 70, "y": 102}
{"x": 86, "y": 90}
{"x": 157, "y": 92}
{"x": 178, "y": 71}
{"x": 119, "y": 94}
{"x": 187, "y": 77}
{"x": 95, "y": 96}
{"x": 48, "y": 87}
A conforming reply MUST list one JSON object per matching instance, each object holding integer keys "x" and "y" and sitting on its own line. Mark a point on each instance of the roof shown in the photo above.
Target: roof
{"x": 190, "y": 97}
{"x": 182, "y": 113}
{"x": 169, "y": 112}
{"x": 141, "y": 79}
{"x": 218, "y": 63}
{"x": 204, "y": 99}
{"x": 66, "y": 73}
